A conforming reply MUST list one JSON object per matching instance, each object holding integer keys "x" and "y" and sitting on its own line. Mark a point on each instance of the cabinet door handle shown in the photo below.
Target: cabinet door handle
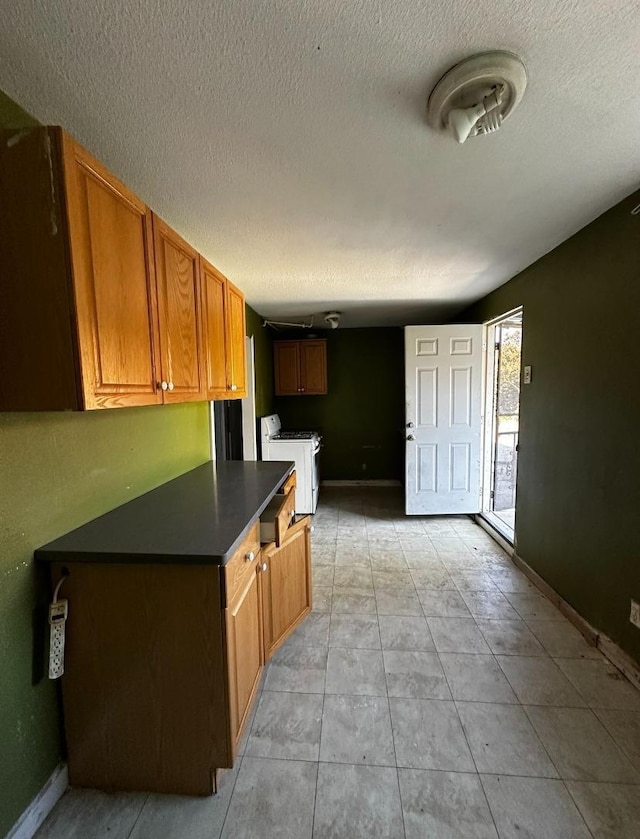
{"x": 162, "y": 385}
{"x": 170, "y": 386}
{"x": 250, "y": 556}
{"x": 234, "y": 387}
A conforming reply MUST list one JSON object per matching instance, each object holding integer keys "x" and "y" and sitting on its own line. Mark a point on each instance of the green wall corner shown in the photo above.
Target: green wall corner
{"x": 579, "y": 458}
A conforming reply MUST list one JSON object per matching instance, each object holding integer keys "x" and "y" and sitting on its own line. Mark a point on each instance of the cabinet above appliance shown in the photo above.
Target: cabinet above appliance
{"x": 300, "y": 367}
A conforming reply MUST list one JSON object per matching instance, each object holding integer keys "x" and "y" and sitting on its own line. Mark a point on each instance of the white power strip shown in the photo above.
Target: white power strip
{"x": 58, "y": 611}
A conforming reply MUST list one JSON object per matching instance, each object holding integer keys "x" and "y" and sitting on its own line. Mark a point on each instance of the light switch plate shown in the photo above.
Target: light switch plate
{"x": 527, "y": 375}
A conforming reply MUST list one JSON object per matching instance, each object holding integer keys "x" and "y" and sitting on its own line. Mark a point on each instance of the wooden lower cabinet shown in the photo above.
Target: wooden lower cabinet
{"x": 286, "y": 585}
{"x": 163, "y": 660}
{"x": 245, "y": 654}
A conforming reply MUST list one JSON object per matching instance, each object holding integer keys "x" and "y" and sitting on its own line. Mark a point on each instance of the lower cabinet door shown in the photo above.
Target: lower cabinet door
{"x": 244, "y": 653}
{"x": 286, "y": 587}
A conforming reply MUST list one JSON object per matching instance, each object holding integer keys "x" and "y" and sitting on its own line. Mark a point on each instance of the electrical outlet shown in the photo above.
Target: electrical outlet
{"x": 634, "y": 617}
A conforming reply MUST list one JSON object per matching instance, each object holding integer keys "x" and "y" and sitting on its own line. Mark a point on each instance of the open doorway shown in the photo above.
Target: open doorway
{"x": 504, "y": 353}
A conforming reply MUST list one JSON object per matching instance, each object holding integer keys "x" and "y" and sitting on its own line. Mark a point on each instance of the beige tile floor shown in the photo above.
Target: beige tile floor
{"x": 433, "y": 692}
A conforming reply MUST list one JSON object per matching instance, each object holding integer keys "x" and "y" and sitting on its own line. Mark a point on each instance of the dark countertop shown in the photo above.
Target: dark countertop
{"x": 200, "y": 517}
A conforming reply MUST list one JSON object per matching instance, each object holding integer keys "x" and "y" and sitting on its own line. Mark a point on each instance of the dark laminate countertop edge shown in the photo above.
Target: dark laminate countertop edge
{"x": 200, "y": 517}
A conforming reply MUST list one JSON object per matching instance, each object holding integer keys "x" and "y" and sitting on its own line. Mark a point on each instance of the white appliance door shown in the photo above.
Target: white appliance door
{"x": 443, "y": 370}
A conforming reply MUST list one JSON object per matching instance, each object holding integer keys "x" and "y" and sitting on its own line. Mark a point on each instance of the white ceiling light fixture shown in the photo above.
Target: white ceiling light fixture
{"x": 477, "y": 95}
{"x": 333, "y": 319}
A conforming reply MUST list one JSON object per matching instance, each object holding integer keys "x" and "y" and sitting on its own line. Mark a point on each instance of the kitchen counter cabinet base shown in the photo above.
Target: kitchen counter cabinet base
{"x": 164, "y": 657}
{"x": 286, "y": 585}
{"x": 144, "y": 691}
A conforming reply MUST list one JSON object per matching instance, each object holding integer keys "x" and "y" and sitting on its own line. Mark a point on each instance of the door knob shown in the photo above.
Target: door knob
{"x": 410, "y": 437}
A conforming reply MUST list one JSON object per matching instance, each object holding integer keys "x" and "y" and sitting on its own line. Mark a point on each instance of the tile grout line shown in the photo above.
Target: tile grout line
{"x": 137, "y": 818}
{"x": 315, "y": 794}
{"x": 464, "y": 733}
{"x": 232, "y": 793}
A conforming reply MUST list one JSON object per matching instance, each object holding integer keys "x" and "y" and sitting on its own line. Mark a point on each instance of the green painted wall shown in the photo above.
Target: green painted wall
{"x": 579, "y": 460}
{"x": 12, "y": 115}
{"x": 57, "y": 472}
{"x": 362, "y": 416}
{"x": 263, "y": 362}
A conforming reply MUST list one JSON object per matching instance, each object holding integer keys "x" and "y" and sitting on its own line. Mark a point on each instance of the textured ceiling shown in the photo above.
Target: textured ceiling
{"x": 287, "y": 140}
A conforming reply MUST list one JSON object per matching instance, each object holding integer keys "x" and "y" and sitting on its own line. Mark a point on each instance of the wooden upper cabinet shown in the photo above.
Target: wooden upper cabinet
{"x": 213, "y": 317}
{"x": 236, "y": 335}
{"x": 179, "y": 315}
{"x": 313, "y": 366}
{"x": 100, "y": 301}
{"x": 110, "y": 248}
{"x": 286, "y": 367}
{"x": 78, "y": 326}
{"x": 224, "y": 335}
{"x": 300, "y": 367}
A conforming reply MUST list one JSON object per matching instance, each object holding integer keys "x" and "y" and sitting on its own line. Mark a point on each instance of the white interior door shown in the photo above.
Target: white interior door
{"x": 443, "y": 369}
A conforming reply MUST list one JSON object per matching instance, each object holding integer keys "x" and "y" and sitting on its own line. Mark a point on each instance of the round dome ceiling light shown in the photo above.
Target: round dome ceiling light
{"x": 477, "y": 95}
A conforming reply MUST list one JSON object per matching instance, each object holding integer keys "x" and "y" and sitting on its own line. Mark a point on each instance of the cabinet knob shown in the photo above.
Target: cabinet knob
{"x": 163, "y": 385}
{"x": 264, "y": 566}
{"x": 312, "y": 529}
{"x": 170, "y": 386}
{"x": 250, "y": 556}
{"x": 302, "y": 389}
{"x": 234, "y": 387}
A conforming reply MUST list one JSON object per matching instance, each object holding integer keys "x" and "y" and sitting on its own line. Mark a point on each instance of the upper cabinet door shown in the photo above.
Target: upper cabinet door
{"x": 214, "y": 327}
{"x": 179, "y": 315}
{"x": 313, "y": 366}
{"x": 300, "y": 367}
{"x": 286, "y": 364}
{"x": 110, "y": 245}
{"x": 236, "y": 335}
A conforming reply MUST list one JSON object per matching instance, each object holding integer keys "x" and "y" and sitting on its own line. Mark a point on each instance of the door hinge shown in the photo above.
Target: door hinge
{"x": 492, "y": 495}
{"x": 497, "y": 347}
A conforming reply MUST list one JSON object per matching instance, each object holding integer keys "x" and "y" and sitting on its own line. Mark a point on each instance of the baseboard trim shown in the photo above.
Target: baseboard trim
{"x": 607, "y": 647}
{"x": 495, "y": 534}
{"x": 380, "y": 483}
{"x": 42, "y": 804}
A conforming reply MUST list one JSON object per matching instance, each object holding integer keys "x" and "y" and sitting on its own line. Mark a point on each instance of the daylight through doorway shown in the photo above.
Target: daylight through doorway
{"x": 504, "y": 353}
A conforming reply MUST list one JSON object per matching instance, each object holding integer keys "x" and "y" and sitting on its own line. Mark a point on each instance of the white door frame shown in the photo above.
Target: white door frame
{"x": 249, "y": 442}
{"x": 488, "y": 346}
